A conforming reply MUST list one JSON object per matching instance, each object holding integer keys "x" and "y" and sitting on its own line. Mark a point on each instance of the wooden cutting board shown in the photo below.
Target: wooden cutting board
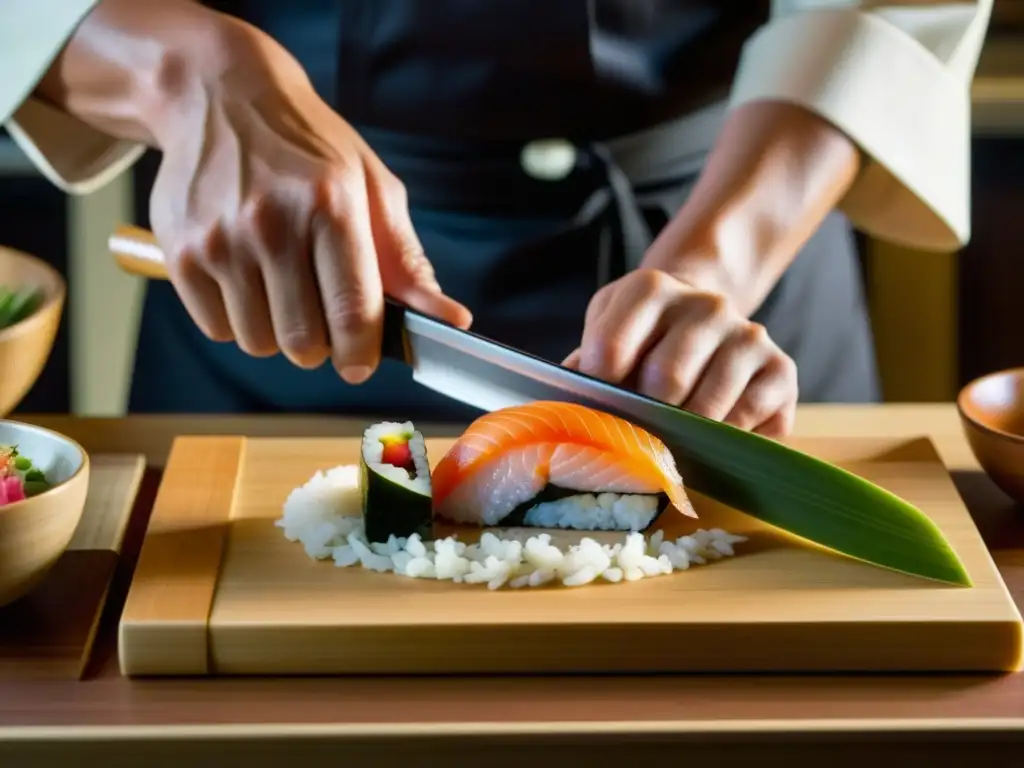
{"x": 219, "y": 590}
{"x": 49, "y": 633}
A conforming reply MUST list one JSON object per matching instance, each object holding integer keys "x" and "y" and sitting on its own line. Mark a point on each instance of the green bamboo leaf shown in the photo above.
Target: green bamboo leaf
{"x": 808, "y": 497}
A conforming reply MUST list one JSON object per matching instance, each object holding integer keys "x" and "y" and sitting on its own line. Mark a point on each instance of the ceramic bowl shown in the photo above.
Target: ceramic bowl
{"x": 36, "y": 531}
{"x": 992, "y": 414}
{"x": 26, "y": 345}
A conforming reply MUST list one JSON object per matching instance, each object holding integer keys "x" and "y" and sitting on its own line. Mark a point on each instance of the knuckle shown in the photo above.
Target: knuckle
{"x": 415, "y": 263}
{"x": 296, "y": 339}
{"x": 757, "y": 402}
{"x": 652, "y": 281}
{"x": 300, "y": 343}
{"x": 341, "y": 181}
{"x": 279, "y": 253}
{"x": 756, "y": 335}
{"x": 783, "y": 367}
{"x": 394, "y": 189}
{"x": 666, "y": 379}
{"x": 789, "y": 370}
{"x": 779, "y": 425}
{"x": 747, "y": 414}
{"x": 256, "y": 341}
{"x": 349, "y": 314}
{"x": 260, "y": 215}
{"x": 185, "y": 261}
{"x": 272, "y": 222}
{"x": 710, "y": 306}
{"x": 598, "y": 302}
{"x": 606, "y": 354}
{"x": 212, "y": 252}
{"x": 709, "y": 405}
{"x": 255, "y": 209}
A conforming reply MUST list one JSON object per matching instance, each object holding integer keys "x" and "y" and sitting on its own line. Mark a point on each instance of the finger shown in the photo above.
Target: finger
{"x": 726, "y": 378}
{"x": 406, "y": 273}
{"x": 778, "y": 425}
{"x": 349, "y": 280}
{"x": 200, "y": 295}
{"x": 594, "y": 308}
{"x": 245, "y": 299}
{"x": 672, "y": 369}
{"x": 771, "y": 391}
{"x": 283, "y": 250}
{"x": 229, "y": 262}
{"x": 618, "y": 335}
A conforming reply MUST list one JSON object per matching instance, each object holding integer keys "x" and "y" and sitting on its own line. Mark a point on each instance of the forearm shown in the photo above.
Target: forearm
{"x": 133, "y": 66}
{"x": 774, "y": 174}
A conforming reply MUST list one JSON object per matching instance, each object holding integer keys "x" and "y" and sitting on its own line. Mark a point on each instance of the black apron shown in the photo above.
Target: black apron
{"x": 458, "y": 99}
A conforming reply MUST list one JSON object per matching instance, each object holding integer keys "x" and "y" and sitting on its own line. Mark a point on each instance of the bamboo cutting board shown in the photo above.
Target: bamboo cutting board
{"x": 219, "y": 590}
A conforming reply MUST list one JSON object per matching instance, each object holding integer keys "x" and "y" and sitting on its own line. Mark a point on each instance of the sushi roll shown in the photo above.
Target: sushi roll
{"x": 395, "y": 481}
{"x": 557, "y": 465}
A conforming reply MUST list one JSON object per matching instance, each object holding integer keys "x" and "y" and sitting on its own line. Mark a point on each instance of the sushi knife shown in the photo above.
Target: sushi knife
{"x": 750, "y": 473}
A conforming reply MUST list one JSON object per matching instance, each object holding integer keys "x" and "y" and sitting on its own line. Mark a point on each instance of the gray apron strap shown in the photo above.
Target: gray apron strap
{"x": 654, "y": 168}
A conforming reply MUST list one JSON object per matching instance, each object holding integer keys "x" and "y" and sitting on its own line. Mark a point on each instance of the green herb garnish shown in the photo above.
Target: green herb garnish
{"x": 17, "y": 304}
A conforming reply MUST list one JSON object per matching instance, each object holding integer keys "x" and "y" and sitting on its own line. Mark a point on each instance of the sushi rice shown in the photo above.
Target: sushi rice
{"x": 323, "y": 515}
{"x": 595, "y": 512}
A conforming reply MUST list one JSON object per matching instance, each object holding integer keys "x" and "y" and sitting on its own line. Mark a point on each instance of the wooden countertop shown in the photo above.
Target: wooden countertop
{"x": 844, "y": 719}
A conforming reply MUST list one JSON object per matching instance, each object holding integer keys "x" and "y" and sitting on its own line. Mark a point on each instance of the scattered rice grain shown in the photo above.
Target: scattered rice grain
{"x": 324, "y": 517}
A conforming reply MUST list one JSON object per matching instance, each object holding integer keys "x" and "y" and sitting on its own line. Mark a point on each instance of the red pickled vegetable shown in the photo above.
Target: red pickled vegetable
{"x": 11, "y": 490}
{"x": 397, "y": 454}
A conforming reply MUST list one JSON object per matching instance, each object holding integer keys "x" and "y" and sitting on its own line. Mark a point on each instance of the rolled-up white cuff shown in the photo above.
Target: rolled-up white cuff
{"x": 73, "y": 155}
{"x": 909, "y": 115}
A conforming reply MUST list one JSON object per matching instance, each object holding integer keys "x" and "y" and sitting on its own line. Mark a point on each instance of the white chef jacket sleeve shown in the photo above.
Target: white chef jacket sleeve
{"x": 74, "y": 156}
{"x": 896, "y": 78}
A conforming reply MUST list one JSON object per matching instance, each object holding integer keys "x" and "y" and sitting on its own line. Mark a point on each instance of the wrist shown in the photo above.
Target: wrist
{"x": 774, "y": 174}
{"x": 220, "y": 57}
{"x": 146, "y": 71}
{"x": 717, "y": 253}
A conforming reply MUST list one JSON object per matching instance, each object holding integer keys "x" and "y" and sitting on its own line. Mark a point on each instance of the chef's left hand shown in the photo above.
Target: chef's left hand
{"x": 689, "y": 347}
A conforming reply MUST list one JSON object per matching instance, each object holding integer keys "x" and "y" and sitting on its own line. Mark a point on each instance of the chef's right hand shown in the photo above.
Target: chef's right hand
{"x": 283, "y": 230}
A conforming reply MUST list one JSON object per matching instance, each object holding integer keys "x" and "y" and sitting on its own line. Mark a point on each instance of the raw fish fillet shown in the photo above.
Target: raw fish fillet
{"x": 507, "y": 457}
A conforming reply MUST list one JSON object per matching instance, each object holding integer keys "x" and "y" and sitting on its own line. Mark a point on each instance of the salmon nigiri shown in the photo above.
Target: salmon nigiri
{"x": 557, "y": 465}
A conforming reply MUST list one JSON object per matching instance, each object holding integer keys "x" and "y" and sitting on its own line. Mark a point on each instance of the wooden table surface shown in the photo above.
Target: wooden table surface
{"x": 511, "y": 720}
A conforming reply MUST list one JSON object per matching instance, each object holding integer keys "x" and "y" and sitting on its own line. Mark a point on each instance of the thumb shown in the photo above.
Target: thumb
{"x": 406, "y": 273}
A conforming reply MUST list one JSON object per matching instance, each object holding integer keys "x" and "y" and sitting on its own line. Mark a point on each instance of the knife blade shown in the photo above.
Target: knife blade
{"x": 763, "y": 478}
{"x": 462, "y": 365}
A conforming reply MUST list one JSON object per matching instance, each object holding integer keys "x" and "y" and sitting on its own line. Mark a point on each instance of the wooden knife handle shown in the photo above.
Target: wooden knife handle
{"x": 137, "y": 252}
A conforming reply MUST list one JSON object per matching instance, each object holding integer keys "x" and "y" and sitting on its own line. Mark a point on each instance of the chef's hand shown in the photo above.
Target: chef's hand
{"x": 688, "y": 347}
{"x": 283, "y": 229}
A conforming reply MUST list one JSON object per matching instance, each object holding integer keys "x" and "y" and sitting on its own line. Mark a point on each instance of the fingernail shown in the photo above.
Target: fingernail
{"x": 356, "y": 374}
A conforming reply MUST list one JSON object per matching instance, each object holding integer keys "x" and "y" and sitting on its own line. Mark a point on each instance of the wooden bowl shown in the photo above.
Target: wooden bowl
{"x": 992, "y": 414}
{"x": 35, "y": 532}
{"x": 26, "y": 345}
